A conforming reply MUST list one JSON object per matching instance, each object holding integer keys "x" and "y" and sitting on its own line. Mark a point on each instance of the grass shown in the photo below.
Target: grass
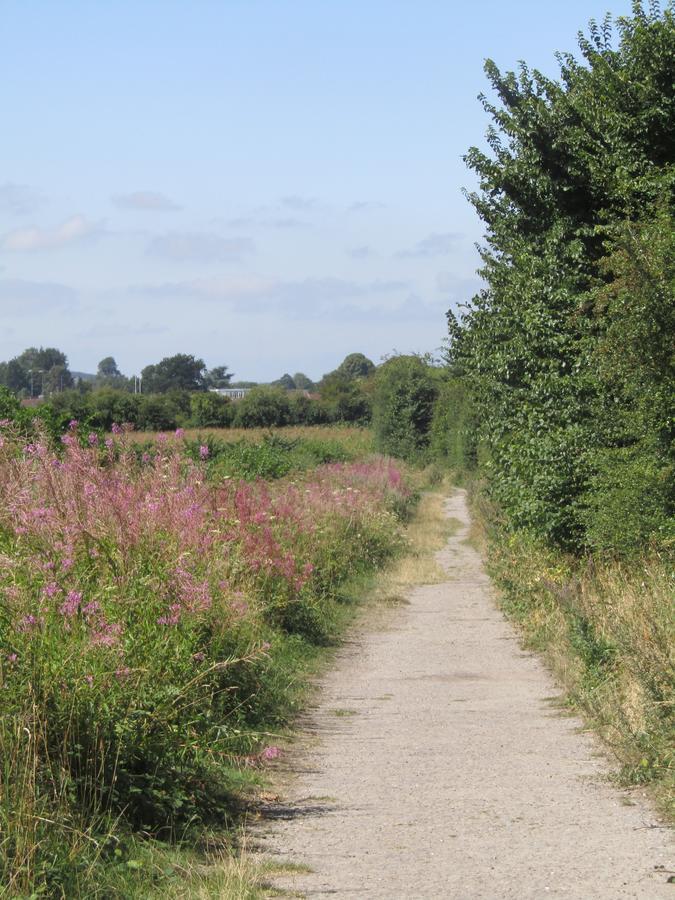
{"x": 606, "y": 630}
{"x": 245, "y": 874}
{"x": 358, "y": 441}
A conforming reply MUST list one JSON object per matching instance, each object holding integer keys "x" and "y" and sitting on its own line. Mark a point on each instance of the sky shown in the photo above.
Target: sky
{"x": 266, "y": 184}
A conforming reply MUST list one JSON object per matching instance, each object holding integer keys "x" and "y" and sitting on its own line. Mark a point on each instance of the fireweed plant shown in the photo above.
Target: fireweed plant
{"x": 148, "y": 613}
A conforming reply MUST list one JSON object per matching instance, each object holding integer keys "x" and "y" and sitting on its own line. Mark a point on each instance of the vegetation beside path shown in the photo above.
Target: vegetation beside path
{"x": 158, "y": 619}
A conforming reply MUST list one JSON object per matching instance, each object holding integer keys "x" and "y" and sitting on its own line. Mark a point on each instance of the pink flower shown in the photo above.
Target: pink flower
{"x": 12, "y": 657}
{"x": 89, "y": 679}
{"x": 73, "y": 424}
{"x": 50, "y": 589}
{"x": 180, "y": 432}
{"x": 203, "y": 452}
{"x": 271, "y": 753}
{"x": 93, "y": 439}
{"x": 116, "y": 429}
{"x": 71, "y": 604}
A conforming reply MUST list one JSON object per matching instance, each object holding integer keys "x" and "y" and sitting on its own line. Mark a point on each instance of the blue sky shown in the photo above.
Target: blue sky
{"x": 267, "y": 184}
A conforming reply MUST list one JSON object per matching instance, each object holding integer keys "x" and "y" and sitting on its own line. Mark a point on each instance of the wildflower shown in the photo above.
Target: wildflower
{"x": 73, "y": 424}
{"x": 271, "y": 753}
{"x": 180, "y": 432}
{"x": 89, "y": 679}
{"x": 109, "y": 443}
{"x": 93, "y": 439}
{"x": 116, "y": 429}
{"x": 50, "y": 589}
{"x": 203, "y": 452}
{"x": 122, "y": 672}
{"x": 71, "y": 604}
{"x": 27, "y": 623}
{"x": 12, "y": 657}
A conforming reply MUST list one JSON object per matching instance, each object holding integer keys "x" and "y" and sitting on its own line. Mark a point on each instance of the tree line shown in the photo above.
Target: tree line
{"x": 177, "y": 392}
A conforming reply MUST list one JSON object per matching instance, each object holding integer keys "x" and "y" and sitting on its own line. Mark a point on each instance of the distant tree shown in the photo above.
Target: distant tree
{"x": 15, "y": 377}
{"x": 46, "y": 370}
{"x": 406, "y": 388}
{"x": 218, "y": 377}
{"x": 210, "y": 410}
{"x": 285, "y": 382}
{"x": 180, "y": 372}
{"x": 57, "y": 378}
{"x": 262, "y": 407}
{"x": 303, "y": 383}
{"x": 356, "y": 365}
{"x": 344, "y": 399}
{"x": 107, "y": 368}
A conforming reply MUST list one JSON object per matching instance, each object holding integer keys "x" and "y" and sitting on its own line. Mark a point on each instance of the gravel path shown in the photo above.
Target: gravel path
{"x": 436, "y": 766}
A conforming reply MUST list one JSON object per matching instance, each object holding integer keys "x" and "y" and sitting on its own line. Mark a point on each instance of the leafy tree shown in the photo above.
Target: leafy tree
{"x": 107, "y": 368}
{"x": 210, "y": 410}
{"x": 262, "y": 407}
{"x": 570, "y": 162}
{"x": 406, "y": 388}
{"x": 303, "y": 383}
{"x": 180, "y": 372}
{"x": 218, "y": 377}
{"x": 344, "y": 398}
{"x": 356, "y": 365}
{"x": 285, "y": 382}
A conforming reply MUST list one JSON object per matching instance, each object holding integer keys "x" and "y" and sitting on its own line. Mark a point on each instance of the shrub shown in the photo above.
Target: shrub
{"x": 406, "y": 388}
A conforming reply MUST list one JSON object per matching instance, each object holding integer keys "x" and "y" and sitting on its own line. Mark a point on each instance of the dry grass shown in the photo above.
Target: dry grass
{"x": 358, "y": 440}
{"x": 427, "y": 533}
{"x": 607, "y": 631}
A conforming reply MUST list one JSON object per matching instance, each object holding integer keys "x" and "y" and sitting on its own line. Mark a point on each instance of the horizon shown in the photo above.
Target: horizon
{"x": 265, "y": 186}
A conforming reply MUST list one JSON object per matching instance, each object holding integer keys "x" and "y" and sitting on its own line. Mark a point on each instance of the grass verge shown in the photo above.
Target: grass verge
{"x": 606, "y": 629}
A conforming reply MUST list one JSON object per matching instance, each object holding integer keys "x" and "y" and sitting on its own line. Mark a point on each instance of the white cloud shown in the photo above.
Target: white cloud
{"x": 74, "y": 229}
{"x": 146, "y": 201}
{"x": 201, "y": 247}
{"x": 433, "y": 245}
{"x": 19, "y": 199}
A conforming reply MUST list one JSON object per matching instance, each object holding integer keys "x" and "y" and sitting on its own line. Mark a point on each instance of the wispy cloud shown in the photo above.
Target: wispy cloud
{"x": 145, "y": 201}
{"x": 305, "y": 298}
{"x": 362, "y": 252}
{"x": 19, "y": 199}
{"x": 200, "y": 247}
{"x": 434, "y": 245}
{"x": 75, "y": 229}
{"x": 298, "y": 203}
{"x": 359, "y": 206}
{"x": 34, "y": 298}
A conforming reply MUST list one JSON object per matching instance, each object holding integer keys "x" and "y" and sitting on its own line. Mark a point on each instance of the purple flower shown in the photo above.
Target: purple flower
{"x": 93, "y": 439}
{"x": 116, "y": 429}
{"x": 73, "y": 424}
{"x": 12, "y": 657}
{"x": 271, "y": 753}
{"x": 180, "y": 432}
{"x": 203, "y": 452}
{"x": 71, "y": 604}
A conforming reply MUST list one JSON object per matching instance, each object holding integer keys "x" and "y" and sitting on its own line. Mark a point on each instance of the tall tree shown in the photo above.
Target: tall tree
{"x": 181, "y": 372}
{"x": 569, "y": 161}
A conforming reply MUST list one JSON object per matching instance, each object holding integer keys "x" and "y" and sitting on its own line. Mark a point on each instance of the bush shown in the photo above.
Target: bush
{"x": 262, "y": 407}
{"x": 406, "y": 388}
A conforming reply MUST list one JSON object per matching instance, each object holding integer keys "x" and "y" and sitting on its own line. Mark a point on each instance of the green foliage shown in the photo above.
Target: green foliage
{"x": 180, "y": 372}
{"x": 356, "y": 365}
{"x": 406, "y": 388}
{"x": 344, "y": 399}
{"x": 566, "y": 354}
{"x": 262, "y": 407}
{"x": 210, "y": 410}
{"x": 453, "y": 429}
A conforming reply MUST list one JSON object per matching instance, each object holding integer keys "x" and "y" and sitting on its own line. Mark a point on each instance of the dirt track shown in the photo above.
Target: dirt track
{"x": 437, "y": 766}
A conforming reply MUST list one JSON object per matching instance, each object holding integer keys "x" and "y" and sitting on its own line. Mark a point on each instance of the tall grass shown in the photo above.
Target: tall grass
{"x": 607, "y": 630}
{"x": 152, "y": 618}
